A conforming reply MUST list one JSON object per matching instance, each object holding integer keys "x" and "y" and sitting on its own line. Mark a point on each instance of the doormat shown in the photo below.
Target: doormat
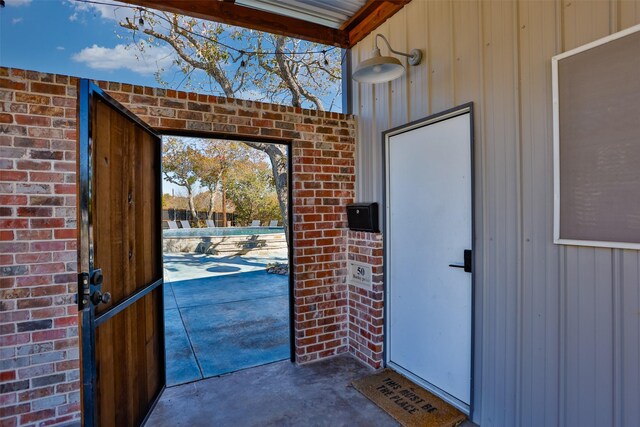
{"x": 407, "y": 402}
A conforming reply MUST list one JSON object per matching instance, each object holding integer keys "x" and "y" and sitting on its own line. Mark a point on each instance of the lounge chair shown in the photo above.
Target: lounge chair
{"x": 185, "y": 224}
{"x": 255, "y": 223}
{"x": 210, "y": 223}
{"x": 172, "y": 225}
{"x": 273, "y": 223}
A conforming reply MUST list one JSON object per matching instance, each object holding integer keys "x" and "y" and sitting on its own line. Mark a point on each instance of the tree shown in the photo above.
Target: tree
{"x": 213, "y": 162}
{"x": 252, "y": 190}
{"x": 282, "y": 70}
{"x": 179, "y": 167}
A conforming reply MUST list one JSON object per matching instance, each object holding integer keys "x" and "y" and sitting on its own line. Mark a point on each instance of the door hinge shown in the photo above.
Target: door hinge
{"x": 84, "y": 290}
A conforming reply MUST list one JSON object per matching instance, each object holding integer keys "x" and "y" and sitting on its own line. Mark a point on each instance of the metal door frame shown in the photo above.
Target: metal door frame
{"x": 88, "y": 91}
{"x": 291, "y": 244}
{"x": 433, "y": 119}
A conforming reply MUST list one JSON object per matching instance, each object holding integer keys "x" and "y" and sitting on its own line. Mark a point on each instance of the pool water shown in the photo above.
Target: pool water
{"x": 221, "y": 231}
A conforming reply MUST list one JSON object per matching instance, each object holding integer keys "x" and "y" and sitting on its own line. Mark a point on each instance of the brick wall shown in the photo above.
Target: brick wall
{"x": 38, "y": 320}
{"x": 39, "y": 368}
{"x": 366, "y": 306}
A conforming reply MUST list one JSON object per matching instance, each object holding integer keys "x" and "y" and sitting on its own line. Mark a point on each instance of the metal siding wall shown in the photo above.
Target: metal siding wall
{"x": 558, "y": 330}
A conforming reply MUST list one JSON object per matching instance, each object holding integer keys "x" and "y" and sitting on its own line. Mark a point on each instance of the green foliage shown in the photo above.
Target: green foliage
{"x": 179, "y": 163}
{"x": 252, "y": 190}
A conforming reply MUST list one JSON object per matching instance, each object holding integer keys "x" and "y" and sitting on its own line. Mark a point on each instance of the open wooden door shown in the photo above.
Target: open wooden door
{"x": 120, "y": 262}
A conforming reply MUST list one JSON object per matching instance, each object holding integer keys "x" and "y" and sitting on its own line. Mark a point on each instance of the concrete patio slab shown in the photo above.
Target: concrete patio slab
{"x": 236, "y": 335}
{"x": 223, "y": 314}
{"x": 182, "y": 366}
{"x": 229, "y": 288}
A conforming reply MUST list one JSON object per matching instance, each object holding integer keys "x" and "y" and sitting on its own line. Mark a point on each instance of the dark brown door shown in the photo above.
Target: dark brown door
{"x": 120, "y": 262}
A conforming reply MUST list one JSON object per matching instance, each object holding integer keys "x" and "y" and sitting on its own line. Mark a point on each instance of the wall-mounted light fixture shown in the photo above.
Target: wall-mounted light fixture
{"x": 380, "y": 69}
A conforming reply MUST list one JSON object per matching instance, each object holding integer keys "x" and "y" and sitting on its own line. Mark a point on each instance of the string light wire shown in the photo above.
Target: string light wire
{"x": 242, "y": 52}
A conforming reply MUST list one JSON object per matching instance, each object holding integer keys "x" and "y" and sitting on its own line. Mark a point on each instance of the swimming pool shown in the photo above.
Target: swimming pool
{"x": 221, "y": 231}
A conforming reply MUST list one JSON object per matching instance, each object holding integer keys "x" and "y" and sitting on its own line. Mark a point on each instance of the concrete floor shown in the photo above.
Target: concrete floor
{"x": 278, "y": 394}
{"x": 223, "y": 314}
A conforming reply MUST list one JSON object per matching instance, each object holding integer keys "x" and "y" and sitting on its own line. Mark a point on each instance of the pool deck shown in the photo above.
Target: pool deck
{"x": 223, "y": 314}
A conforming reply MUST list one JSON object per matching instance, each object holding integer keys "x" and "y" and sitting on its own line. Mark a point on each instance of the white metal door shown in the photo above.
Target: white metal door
{"x": 428, "y": 227}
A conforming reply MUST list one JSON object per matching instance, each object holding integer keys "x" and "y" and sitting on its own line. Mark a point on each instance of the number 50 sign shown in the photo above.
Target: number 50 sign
{"x": 360, "y": 274}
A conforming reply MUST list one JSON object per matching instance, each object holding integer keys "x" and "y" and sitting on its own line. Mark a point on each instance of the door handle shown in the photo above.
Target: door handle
{"x": 468, "y": 261}
{"x": 97, "y": 296}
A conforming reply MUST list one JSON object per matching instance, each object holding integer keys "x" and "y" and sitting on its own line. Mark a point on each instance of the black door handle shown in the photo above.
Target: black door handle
{"x": 468, "y": 261}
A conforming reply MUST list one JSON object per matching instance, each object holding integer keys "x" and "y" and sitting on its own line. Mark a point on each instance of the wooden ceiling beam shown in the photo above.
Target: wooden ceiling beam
{"x": 370, "y": 17}
{"x": 233, "y": 14}
{"x": 366, "y": 20}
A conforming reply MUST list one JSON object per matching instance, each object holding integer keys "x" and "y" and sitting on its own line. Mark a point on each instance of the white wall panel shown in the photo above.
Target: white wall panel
{"x": 558, "y": 327}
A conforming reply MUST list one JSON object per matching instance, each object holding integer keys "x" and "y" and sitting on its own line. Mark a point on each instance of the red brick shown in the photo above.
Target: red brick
{"x": 12, "y": 340}
{"x": 33, "y": 280}
{"x": 46, "y": 200}
{"x": 173, "y": 123}
{"x": 65, "y": 233}
{"x": 29, "y": 120}
{"x": 32, "y": 165}
{"x": 7, "y": 376}
{"x": 31, "y": 143}
{"x": 6, "y": 260}
{"x": 67, "y": 365}
{"x": 31, "y": 98}
{"x": 65, "y": 322}
{"x": 47, "y": 313}
{"x": 34, "y": 303}
{"x": 65, "y": 188}
{"x": 13, "y": 223}
{"x": 14, "y": 176}
{"x": 37, "y": 416}
{"x": 11, "y": 84}
{"x": 46, "y": 177}
{"x": 53, "y": 334}
{"x": 48, "y": 88}
{"x": 35, "y": 211}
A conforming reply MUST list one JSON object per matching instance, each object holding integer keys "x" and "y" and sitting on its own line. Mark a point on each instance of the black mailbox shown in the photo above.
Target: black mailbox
{"x": 363, "y": 217}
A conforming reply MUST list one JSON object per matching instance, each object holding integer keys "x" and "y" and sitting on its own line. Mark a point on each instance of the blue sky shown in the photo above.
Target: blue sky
{"x": 72, "y": 38}
{"x": 81, "y": 39}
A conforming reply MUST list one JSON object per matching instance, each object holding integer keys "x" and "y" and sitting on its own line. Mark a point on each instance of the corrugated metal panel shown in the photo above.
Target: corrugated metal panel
{"x": 559, "y": 327}
{"x": 332, "y": 13}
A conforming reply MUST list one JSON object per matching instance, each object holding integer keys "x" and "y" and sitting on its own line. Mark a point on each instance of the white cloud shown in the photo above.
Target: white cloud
{"x": 114, "y": 10}
{"x": 59, "y": 47}
{"x": 18, "y": 2}
{"x": 15, "y": 21}
{"x": 126, "y": 57}
{"x": 251, "y": 94}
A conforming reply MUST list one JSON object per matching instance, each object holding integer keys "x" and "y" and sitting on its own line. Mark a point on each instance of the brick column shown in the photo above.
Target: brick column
{"x": 366, "y": 306}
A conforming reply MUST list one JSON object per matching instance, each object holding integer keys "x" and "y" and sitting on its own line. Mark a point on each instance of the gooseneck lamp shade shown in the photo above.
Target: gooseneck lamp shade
{"x": 380, "y": 69}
